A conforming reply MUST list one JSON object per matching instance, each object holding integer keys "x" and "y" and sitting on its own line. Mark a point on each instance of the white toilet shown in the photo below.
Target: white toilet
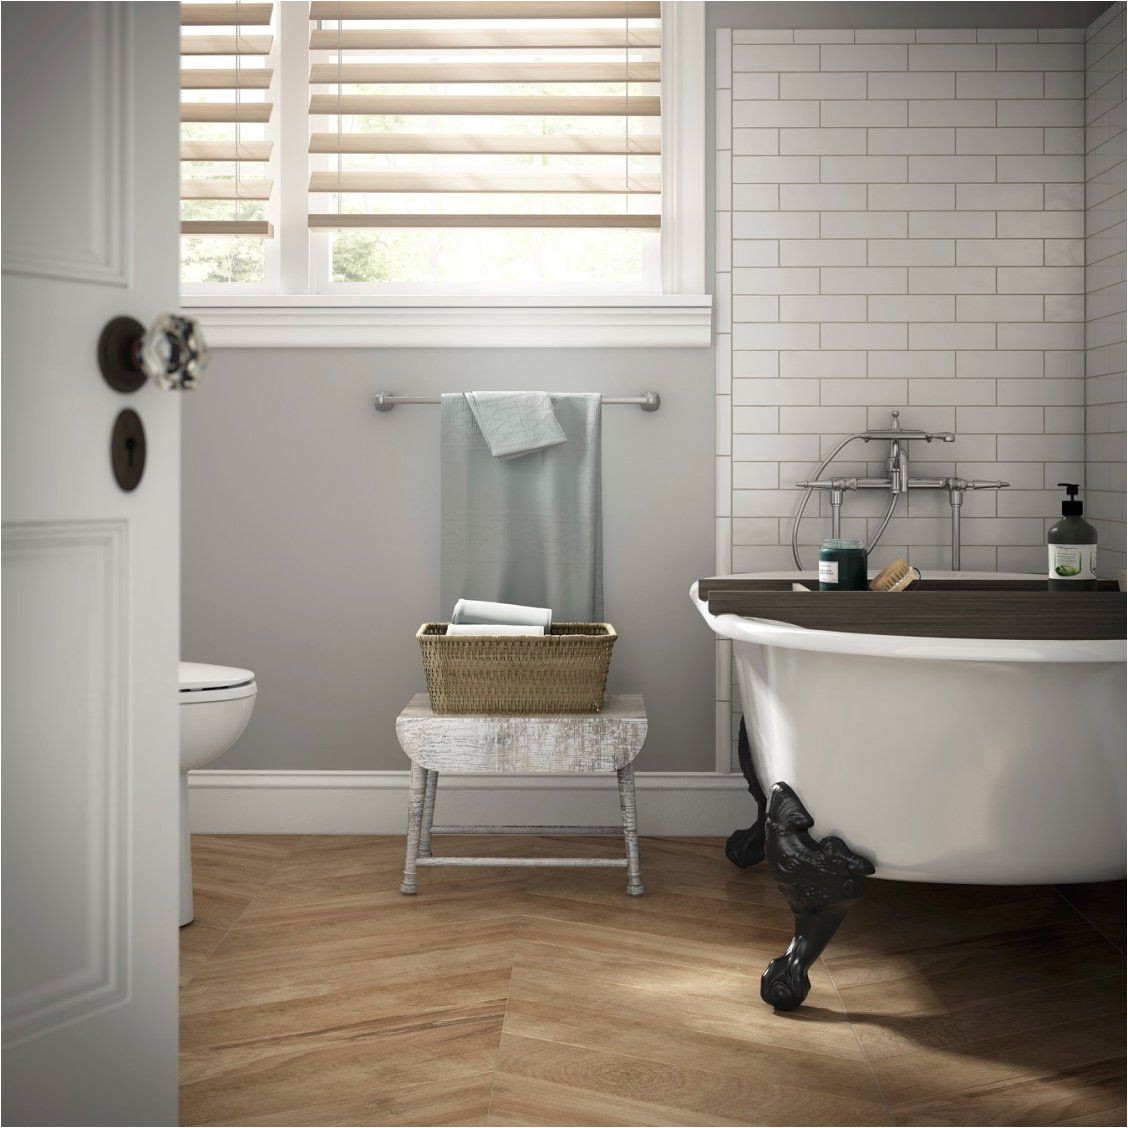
{"x": 216, "y": 703}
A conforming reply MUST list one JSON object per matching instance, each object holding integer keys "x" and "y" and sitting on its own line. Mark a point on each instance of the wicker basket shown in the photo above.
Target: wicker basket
{"x": 561, "y": 672}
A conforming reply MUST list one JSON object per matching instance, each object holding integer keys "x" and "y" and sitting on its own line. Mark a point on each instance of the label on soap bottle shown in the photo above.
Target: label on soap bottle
{"x": 828, "y": 571}
{"x": 1072, "y": 561}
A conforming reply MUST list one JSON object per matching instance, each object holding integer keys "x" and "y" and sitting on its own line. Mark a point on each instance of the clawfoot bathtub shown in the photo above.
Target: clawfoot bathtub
{"x": 979, "y": 761}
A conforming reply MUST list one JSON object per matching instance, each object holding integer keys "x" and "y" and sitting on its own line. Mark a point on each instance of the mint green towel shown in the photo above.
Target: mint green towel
{"x": 524, "y": 530}
{"x": 516, "y": 423}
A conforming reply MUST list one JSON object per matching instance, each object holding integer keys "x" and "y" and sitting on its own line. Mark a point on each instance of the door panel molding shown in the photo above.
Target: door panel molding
{"x": 95, "y": 248}
{"x": 73, "y": 959}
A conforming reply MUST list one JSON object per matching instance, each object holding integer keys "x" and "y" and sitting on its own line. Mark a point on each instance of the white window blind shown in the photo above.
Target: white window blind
{"x": 226, "y": 144}
{"x": 431, "y": 119}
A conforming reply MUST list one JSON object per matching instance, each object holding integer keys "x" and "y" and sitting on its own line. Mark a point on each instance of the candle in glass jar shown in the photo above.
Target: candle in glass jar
{"x": 842, "y": 565}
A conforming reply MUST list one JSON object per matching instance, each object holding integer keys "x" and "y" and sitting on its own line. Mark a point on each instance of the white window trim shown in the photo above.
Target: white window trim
{"x": 679, "y": 317}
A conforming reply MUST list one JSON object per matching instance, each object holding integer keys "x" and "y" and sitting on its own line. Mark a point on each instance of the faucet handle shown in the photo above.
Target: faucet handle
{"x": 829, "y": 484}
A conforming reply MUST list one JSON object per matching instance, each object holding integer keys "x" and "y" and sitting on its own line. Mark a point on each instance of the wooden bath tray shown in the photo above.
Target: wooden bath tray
{"x": 1013, "y": 609}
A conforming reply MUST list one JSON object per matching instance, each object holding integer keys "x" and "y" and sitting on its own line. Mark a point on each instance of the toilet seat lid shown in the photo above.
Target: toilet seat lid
{"x": 201, "y": 675}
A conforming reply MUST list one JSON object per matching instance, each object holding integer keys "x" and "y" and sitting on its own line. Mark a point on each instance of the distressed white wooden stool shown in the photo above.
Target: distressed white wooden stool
{"x": 544, "y": 743}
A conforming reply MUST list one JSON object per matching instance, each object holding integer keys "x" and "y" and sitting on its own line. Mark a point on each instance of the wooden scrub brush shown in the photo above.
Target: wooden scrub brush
{"x": 896, "y": 577}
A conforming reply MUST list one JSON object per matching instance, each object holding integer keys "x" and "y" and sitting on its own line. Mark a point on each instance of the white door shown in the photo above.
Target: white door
{"x": 90, "y": 572}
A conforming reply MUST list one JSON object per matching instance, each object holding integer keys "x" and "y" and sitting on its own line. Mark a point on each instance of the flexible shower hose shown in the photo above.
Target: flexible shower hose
{"x": 811, "y": 489}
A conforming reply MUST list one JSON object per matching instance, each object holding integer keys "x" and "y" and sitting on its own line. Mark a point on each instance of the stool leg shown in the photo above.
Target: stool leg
{"x": 414, "y": 826}
{"x": 428, "y": 813}
{"x": 630, "y": 828}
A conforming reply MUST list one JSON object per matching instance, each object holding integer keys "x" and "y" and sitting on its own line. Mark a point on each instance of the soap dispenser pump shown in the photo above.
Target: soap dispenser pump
{"x": 1072, "y": 545}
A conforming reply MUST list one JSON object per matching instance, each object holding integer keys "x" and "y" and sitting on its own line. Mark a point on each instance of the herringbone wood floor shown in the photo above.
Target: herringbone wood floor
{"x": 313, "y": 993}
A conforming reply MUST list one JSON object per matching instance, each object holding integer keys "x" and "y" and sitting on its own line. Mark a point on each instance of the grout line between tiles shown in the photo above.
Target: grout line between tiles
{"x": 1099, "y": 932}
{"x": 508, "y": 988}
{"x": 227, "y": 931}
{"x": 857, "y": 1037}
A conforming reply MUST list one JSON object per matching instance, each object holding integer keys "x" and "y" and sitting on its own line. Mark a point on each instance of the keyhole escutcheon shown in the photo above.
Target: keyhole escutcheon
{"x": 127, "y": 450}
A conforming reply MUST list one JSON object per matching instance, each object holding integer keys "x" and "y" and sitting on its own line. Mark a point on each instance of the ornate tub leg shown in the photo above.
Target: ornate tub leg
{"x": 822, "y": 881}
{"x": 745, "y": 848}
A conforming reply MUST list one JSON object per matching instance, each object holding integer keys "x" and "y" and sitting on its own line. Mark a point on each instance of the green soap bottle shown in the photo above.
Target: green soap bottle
{"x": 1072, "y": 545}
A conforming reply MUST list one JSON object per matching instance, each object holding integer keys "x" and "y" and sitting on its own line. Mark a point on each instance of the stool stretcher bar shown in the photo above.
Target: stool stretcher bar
{"x": 617, "y": 831}
{"x": 530, "y": 863}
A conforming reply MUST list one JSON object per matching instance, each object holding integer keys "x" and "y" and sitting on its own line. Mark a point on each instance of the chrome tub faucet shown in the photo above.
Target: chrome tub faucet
{"x": 898, "y": 481}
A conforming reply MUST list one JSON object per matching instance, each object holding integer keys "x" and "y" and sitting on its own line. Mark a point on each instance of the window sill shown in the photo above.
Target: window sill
{"x": 604, "y": 321}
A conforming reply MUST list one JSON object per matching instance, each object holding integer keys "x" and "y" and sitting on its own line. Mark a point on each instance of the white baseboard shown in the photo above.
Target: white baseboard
{"x": 304, "y": 802}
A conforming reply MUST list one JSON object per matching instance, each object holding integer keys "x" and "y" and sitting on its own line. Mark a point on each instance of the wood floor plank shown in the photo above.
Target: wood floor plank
{"x": 524, "y": 1102}
{"x": 315, "y": 993}
{"x": 228, "y": 870}
{"x": 1117, "y": 1117}
{"x": 744, "y": 1019}
{"x": 285, "y": 976}
{"x": 657, "y": 946}
{"x": 679, "y": 1091}
{"x": 878, "y": 957}
{"x": 197, "y": 941}
{"x": 951, "y": 975}
{"x": 596, "y": 1027}
{"x": 1102, "y": 905}
{"x": 630, "y": 969}
{"x": 274, "y": 1074}
{"x": 607, "y": 889}
{"x": 375, "y": 913}
{"x": 943, "y": 1024}
{"x": 449, "y": 1100}
{"x": 345, "y": 1000}
{"x": 322, "y": 858}
{"x": 1067, "y": 1096}
{"x": 1011, "y": 1056}
{"x": 764, "y": 928}
{"x": 907, "y": 931}
{"x": 234, "y": 961}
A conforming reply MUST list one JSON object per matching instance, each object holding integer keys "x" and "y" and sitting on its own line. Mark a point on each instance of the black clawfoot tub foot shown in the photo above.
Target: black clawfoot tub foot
{"x": 745, "y": 848}
{"x": 822, "y": 881}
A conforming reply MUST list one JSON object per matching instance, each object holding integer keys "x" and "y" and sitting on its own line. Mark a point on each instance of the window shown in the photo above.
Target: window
{"x": 505, "y": 146}
{"x": 343, "y": 154}
{"x": 226, "y": 145}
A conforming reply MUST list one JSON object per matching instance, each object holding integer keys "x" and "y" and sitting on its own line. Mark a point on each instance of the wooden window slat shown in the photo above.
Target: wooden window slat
{"x": 225, "y": 15}
{"x": 606, "y": 144}
{"x": 387, "y": 39}
{"x": 483, "y": 9}
{"x": 459, "y": 72}
{"x": 462, "y": 180}
{"x": 437, "y": 105}
{"x": 241, "y": 189}
{"x": 431, "y": 219}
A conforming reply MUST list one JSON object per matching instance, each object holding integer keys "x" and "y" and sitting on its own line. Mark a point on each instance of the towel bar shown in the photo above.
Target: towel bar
{"x": 648, "y": 401}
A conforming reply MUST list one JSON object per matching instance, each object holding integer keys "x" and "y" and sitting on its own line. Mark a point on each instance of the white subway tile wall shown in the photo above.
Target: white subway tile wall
{"x": 921, "y": 245}
{"x": 927, "y": 207}
{"x": 1104, "y": 400}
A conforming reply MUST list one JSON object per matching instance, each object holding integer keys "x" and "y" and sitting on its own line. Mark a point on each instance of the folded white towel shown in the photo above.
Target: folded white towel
{"x": 501, "y": 614}
{"x": 516, "y": 423}
{"x": 464, "y": 629}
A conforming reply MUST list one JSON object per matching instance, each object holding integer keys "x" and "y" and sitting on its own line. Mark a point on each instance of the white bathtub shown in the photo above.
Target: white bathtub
{"x": 953, "y": 760}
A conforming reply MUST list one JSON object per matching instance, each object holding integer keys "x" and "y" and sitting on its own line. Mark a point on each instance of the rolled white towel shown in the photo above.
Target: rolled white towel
{"x": 455, "y": 630}
{"x": 501, "y": 614}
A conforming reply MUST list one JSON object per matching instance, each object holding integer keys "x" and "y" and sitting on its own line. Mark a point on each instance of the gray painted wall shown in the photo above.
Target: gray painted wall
{"x": 311, "y": 537}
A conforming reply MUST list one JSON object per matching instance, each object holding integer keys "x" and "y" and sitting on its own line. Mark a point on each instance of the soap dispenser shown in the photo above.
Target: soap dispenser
{"x": 1072, "y": 545}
